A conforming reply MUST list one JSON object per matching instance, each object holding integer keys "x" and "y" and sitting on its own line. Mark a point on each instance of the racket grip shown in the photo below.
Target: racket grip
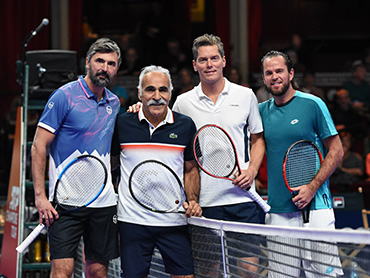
{"x": 31, "y": 237}
{"x": 257, "y": 198}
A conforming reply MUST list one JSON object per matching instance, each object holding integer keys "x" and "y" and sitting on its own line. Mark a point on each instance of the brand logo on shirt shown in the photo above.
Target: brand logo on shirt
{"x": 234, "y": 105}
{"x": 294, "y": 121}
{"x": 50, "y": 105}
{"x": 173, "y": 135}
{"x": 109, "y": 109}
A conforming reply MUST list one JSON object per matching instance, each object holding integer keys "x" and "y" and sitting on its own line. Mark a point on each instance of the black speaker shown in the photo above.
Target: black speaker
{"x": 50, "y": 69}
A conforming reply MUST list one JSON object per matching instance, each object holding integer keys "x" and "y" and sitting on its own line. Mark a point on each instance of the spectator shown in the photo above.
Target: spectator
{"x": 174, "y": 58}
{"x": 262, "y": 94}
{"x": 351, "y": 169}
{"x": 131, "y": 63}
{"x": 348, "y": 119}
{"x": 309, "y": 87}
{"x": 358, "y": 87}
{"x": 121, "y": 93}
{"x": 233, "y": 75}
{"x": 301, "y": 55}
{"x": 186, "y": 84}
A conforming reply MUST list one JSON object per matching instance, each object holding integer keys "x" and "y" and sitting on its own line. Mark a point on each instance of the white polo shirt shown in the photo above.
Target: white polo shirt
{"x": 236, "y": 110}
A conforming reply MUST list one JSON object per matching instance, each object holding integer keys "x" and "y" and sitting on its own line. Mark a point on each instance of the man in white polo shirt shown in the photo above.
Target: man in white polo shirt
{"x": 235, "y": 108}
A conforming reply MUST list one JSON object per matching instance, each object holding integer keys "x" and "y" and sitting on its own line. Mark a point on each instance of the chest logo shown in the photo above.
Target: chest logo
{"x": 109, "y": 109}
{"x": 295, "y": 121}
{"x": 173, "y": 135}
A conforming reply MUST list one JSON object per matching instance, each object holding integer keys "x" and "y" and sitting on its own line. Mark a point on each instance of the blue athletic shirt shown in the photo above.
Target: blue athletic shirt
{"x": 81, "y": 126}
{"x": 303, "y": 117}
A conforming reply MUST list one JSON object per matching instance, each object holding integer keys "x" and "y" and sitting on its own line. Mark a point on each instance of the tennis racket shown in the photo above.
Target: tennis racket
{"x": 302, "y": 161}
{"x": 156, "y": 187}
{"x": 78, "y": 185}
{"x": 216, "y": 155}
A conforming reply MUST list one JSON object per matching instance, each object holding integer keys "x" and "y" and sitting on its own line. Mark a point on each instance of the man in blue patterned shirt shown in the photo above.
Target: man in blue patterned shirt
{"x": 79, "y": 119}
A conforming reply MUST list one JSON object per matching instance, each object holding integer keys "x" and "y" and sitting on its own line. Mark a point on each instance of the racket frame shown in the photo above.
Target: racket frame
{"x": 40, "y": 227}
{"x": 172, "y": 172}
{"x": 236, "y": 168}
{"x": 305, "y": 215}
{"x": 252, "y": 194}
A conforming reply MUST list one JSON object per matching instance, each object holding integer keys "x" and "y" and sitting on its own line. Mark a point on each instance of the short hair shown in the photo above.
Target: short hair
{"x": 153, "y": 68}
{"x": 288, "y": 63}
{"x": 104, "y": 45}
{"x": 207, "y": 40}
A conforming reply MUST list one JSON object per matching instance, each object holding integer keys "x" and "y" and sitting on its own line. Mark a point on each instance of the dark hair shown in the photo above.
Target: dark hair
{"x": 104, "y": 45}
{"x": 288, "y": 63}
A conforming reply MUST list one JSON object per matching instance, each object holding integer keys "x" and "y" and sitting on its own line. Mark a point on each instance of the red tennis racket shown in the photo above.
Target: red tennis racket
{"x": 216, "y": 155}
{"x": 302, "y": 161}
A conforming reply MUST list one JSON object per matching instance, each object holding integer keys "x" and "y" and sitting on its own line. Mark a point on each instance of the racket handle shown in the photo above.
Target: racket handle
{"x": 31, "y": 237}
{"x": 257, "y": 198}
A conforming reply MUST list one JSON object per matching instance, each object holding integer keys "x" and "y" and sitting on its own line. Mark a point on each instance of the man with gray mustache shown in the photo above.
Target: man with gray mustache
{"x": 155, "y": 133}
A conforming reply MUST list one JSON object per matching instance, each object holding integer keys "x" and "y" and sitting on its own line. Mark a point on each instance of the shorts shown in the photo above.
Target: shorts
{"x": 296, "y": 249}
{"x": 137, "y": 246}
{"x": 97, "y": 226}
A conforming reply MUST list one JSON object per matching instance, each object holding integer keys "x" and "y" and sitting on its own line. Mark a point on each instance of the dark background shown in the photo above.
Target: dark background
{"x": 334, "y": 32}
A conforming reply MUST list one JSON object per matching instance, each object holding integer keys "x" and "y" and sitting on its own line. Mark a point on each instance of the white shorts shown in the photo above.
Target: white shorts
{"x": 286, "y": 254}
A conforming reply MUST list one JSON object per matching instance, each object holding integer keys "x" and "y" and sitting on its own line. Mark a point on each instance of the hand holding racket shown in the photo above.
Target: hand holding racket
{"x": 216, "y": 155}
{"x": 79, "y": 184}
{"x": 302, "y": 161}
{"x": 156, "y": 187}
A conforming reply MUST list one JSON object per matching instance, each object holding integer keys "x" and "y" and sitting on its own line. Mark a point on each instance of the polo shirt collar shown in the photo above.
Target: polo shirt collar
{"x": 168, "y": 120}
{"x": 225, "y": 90}
{"x": 88, "y": 92}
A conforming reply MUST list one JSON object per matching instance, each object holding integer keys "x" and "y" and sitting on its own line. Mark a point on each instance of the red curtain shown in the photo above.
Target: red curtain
{"x": 75, "y": 25}
{"x": 254, "y": 37}
{"x": 222, "y": 22}
{"x": 19, "y": 18}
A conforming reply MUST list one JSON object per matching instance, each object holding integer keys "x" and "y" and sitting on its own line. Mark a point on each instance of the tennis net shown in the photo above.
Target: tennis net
{"x": 230, "y": 249}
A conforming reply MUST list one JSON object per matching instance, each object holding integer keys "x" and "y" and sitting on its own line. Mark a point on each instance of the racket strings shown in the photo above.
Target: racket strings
{"x": 215, "y": 152}
{"x": 302, "y": 164}
{"x": 156, "y": 188}
{"x": 81, "y": 182}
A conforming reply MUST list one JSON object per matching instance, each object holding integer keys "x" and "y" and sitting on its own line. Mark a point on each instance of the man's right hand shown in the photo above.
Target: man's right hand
{"x": 134, "y": 108}
{"x": 46, "y": 211}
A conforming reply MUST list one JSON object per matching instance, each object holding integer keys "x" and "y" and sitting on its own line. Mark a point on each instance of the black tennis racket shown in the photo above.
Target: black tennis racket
{"x": 79, "y": 184}
{"x": 156, "y": 187}
{"x": 216, "y": 155}
{"x": 302, "y": 161}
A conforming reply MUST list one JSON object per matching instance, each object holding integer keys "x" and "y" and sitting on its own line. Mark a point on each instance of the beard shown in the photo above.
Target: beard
{"x": 278, "y": 93}
{"x": 99, "y": 82}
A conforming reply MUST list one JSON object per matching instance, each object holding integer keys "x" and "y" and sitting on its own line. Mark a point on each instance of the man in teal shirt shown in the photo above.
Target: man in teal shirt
{"x": 289, "y": 116}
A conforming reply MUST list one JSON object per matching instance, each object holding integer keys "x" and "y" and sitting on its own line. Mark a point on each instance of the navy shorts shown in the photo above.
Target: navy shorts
{"x": 138, "y": 242}
{"x": 248, "y": 212}
{"x": 98, "y": 226}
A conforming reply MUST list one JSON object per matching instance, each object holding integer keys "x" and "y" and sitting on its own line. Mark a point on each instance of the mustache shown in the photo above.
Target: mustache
{"x": 106, "y": 75}
{"x": 157, "y": 102}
